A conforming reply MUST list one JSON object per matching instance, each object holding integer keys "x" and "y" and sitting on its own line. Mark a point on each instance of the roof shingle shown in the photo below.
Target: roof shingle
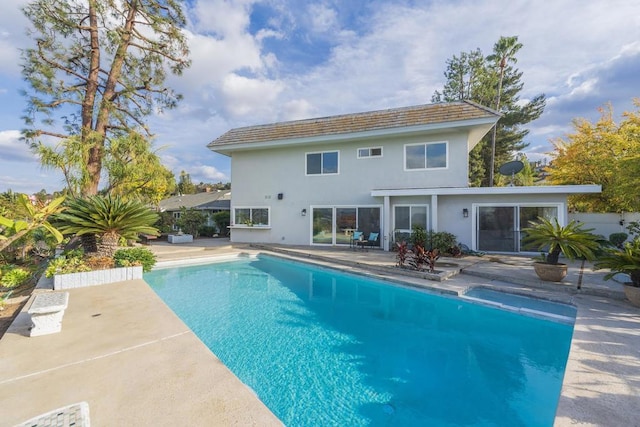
{"x": 358, "y": 122}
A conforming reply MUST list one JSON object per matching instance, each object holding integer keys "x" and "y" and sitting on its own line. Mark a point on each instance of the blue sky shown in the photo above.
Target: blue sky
{"x": 259, "y": 62}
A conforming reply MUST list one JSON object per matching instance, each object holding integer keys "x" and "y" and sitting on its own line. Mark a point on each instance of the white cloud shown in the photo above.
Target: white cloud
{"x": 323, "y": 18}
{"x": 207, "y": 174}
{"x": 12, "y": 148}
{"x": 244, "y": 96}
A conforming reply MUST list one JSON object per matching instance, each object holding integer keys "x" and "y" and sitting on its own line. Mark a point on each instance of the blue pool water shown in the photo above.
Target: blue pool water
{"x": 528, "y": 305}
{"x": 322, "y": 348}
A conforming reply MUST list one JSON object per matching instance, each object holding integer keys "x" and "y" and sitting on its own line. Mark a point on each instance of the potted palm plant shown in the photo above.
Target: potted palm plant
{"x": 570, "y": 240}
{"x": 626, "y": 261}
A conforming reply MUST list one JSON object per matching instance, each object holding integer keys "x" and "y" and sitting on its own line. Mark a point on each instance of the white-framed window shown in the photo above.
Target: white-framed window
{"x": 406, "y": 217}
{"x": 251, "y": 216}
{"x": 365, "y": 153}
{"x": 322, "y": 163}
{"x": 427, "y": 155}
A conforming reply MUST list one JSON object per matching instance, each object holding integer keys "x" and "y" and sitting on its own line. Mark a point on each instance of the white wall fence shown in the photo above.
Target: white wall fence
{"x": 606, "y": 224}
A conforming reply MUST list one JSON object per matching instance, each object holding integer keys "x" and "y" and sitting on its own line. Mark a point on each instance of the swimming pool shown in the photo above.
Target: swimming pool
{"x": 320, "y": 347}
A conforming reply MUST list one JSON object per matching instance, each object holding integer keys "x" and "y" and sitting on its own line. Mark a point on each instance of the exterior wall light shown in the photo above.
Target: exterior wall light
{"x": 303, "y": 212}
{"x": 465, "y": 213}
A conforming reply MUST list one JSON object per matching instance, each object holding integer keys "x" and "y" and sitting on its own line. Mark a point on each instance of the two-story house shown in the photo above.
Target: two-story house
{"x": 315, "y": 181}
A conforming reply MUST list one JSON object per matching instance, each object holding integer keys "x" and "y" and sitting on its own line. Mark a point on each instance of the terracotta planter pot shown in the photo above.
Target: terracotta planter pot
{"x": 633, "y": 294}
{"x": 550, "y": 272}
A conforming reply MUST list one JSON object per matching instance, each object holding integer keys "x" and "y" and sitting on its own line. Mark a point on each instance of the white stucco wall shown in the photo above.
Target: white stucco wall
{"x": 259, "y": 176}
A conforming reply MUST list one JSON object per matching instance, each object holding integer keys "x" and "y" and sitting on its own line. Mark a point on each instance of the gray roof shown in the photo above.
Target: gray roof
{"x": 395, "y": 118}
{"x": 213, "y": 200}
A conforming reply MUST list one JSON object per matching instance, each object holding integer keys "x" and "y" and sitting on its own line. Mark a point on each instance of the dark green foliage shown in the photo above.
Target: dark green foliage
{"x": 109, "y": 217}
{"x": 442, "y": 241}
{"x": 618, "y": 239}
{"x": 485, "y": 80}
{"x": 625, "y": 261}
{"x": 191, "y": 220}
{"x": 222, "y": 220}
{"x": 207, "y": 231}
{"x": 418, "y": 237}
{"x": 165, "y": 222}
{"x": 135, "y": 256}
{"x": 570, "y": 240}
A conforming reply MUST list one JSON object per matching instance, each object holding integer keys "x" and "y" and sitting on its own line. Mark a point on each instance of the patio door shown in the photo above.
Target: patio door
{"x": 335, "y": 225}
{"x": 499, "y": 227}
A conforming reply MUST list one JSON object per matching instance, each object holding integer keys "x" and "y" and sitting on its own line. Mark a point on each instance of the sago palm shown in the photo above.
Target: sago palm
{"x": 571, "y": 240}
{"x": 109, "y": 218}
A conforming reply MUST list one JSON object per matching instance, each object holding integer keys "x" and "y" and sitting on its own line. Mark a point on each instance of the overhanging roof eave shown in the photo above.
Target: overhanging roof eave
{"x": 477, "y": 191}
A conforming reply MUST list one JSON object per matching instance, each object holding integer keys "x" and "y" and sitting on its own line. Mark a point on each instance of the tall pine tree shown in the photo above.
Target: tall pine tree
{"x": 99, "y": 66}
{"x": 492, "y": 81}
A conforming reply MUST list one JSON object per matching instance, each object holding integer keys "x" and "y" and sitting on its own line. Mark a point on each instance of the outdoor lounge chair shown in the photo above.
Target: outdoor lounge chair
{"x": 356, "y": 237}
{"x": 371, "y": 242}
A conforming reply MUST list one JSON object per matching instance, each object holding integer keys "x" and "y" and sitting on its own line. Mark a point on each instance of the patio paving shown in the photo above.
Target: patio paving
{"x": 125, "y": 353}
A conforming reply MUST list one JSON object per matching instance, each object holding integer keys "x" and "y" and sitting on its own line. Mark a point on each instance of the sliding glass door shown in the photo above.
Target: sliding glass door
{"x": 335, "y": 225}
{"x": 499, "y": 227}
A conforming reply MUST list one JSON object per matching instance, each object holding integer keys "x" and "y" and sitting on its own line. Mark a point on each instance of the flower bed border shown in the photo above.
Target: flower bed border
{"x": 96, "y": 277}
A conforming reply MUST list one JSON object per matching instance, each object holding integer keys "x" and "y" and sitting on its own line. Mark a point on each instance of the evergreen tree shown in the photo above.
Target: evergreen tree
{"x": 492, "y": 81}
{"x": 100, "y": 65}
{"x": 185, "y": 186}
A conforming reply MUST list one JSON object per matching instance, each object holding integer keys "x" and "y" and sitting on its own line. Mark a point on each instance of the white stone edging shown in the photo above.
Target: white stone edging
{"x": 96, "y": 277}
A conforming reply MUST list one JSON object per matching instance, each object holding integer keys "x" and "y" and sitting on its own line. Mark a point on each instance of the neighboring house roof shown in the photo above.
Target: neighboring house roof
{"x": 214, "y": 200}
{"x": 395, "y": 120}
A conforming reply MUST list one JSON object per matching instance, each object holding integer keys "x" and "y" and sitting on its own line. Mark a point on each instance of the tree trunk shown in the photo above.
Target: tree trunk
{"x": 89, "y": 243}
{"x": 108, "y": 244}
{"x": 553, "y": 256}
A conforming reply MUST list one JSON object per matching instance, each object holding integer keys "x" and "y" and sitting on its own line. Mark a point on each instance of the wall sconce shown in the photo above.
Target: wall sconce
{"x": 303, "y": 212}
{"x": 465, "y": 213}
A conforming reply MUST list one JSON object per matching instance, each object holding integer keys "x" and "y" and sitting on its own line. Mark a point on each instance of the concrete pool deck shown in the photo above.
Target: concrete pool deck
{"x": 125, "y": 353}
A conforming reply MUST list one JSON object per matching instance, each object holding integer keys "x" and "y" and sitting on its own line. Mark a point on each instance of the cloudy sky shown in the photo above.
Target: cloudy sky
{"x": 262, "y": 61}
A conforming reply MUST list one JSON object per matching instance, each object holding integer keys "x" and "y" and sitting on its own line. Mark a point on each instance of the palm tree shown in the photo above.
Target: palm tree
{"x": 571, "y": 240}
{"x": 504, "y": 52}
{"x": 109, "y": 218}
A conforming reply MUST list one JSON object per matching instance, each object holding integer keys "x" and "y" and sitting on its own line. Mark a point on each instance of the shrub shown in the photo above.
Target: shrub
{"x": 443, "y": 241}
{"x": 222, "y": 220}
{"x": 418, "y": 237}
{"x": 65, "y": 265}
{"x": 618, "y": 239}
{"x": 13, "y": 276}
{"x": 207, "y": 231}
{"x": 135, "y": 256}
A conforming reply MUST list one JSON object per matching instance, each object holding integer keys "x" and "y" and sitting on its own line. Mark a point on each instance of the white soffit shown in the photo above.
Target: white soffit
{"x": 477, "y": 191}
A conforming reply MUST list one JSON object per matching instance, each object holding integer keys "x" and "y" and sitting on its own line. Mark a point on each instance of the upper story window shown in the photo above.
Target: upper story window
{"x": 364, "y": 153}
{"x": 431, "y": 155}
{"x": 251, "y": 216}
{"x": 325, "y": 163}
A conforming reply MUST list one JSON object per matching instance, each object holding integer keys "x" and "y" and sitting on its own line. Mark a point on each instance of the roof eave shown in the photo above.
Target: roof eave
{"x": 470, "y": 191}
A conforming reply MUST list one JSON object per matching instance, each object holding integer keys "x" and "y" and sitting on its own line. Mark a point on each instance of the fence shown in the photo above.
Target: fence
{"x": 606, "y": 224}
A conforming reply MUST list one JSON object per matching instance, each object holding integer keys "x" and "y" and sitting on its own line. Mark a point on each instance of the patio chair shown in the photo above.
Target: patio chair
{"x": 356, "y": 236}
{"x": 370, "y": 242}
